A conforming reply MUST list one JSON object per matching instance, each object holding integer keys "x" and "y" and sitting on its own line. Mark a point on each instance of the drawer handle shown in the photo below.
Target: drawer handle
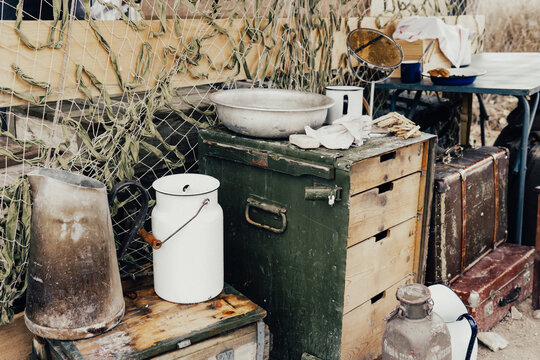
{"x": 389, "y": 156}
{"x": 382, "y": 235}
{"x": 385, "y": 187}
{"x": 272, "y": 209}
{"x": 377, "y": 297}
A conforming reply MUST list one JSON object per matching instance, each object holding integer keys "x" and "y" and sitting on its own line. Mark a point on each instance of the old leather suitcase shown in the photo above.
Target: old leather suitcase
{"x": 468, "y": 211}
{"x": 499, "y": 280}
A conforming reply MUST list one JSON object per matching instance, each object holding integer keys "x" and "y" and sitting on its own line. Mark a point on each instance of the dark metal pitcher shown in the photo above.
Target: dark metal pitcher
{"x": 74, "y": 288}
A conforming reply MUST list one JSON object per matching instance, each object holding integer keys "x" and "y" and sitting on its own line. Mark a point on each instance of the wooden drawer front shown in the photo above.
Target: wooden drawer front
{"x": 364, "y": 326}
{"x": 375, "y": 264}
{"x": 380, "y": 208}
{"x": 239, "y": 344}
{"x": 376, "y": 170}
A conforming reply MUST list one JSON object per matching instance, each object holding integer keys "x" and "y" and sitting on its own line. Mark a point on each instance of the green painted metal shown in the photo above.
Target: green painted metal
{"x": 298, "y": 275}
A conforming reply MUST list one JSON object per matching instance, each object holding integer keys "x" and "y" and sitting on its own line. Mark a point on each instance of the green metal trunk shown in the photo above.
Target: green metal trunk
{"x": 287, "y": 219}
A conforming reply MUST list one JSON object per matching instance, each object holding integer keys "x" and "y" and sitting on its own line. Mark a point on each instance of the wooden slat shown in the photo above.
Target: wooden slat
{"x": 15, "y": 340}
{"x": 46, "y": 64}
{"x": 242, "y": 343}
{"x": 364, "y": 326}
{"x": 386, "y": 167}
{"x": 373, "y": 266}
{"x": 424, "y": 211}
{"x": 153, "y": 326}
{"x": 17, "y": 150}
{"x": 372, "y": 212}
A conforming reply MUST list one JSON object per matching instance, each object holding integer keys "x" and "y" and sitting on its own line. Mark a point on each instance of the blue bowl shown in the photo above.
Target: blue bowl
{"x": 453, "y": 80}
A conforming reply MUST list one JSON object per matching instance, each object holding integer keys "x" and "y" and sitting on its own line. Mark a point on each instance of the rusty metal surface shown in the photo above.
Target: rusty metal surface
{"x": 468, "y": 213}
{"x": 74, "y": 288}
{"x": 490, "y": 287}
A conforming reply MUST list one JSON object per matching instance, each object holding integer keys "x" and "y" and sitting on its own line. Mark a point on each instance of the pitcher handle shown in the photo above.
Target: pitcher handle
{"x": 139, "y": 221}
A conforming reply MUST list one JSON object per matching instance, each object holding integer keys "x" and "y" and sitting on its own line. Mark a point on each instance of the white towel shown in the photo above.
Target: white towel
{"x": 454, "y": 40}
{"x": 102, "y": 12}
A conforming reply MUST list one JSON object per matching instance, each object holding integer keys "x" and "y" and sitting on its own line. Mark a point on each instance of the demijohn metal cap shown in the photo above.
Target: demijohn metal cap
{"x": 413, "y": 294}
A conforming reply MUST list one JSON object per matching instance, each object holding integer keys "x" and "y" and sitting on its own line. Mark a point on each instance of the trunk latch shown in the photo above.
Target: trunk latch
{"x": 332, "y": 194}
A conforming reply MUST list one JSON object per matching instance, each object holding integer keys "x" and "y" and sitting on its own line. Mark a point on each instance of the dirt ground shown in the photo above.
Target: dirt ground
{"x": 523, "y": 337}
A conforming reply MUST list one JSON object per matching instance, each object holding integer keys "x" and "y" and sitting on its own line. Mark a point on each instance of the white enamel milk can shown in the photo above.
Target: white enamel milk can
{"x": 188, "y": 221}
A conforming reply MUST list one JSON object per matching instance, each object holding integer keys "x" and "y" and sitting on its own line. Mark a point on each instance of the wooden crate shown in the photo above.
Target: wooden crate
{"x": 25, "y": 126}
{"x": 226, "y": 327}
{"x": 363, "y": 327}
{"x": 326, "y": 268}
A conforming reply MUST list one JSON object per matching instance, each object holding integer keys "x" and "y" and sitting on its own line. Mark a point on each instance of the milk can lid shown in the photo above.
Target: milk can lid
{"x": 413, "y": 294}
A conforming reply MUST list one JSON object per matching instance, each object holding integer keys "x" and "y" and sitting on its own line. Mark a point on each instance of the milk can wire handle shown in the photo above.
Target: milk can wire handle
{"x": 204, "y": 203}
{"x": 139, "y": 221}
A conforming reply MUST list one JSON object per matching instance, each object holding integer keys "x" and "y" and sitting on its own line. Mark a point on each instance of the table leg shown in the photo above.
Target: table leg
{"x": 414, "y": 104}
{"x": 466, "y": 119}
{"x": 393, "y": 99}
{"x": 521, "y": 162}
{"x": 483, "y": 118}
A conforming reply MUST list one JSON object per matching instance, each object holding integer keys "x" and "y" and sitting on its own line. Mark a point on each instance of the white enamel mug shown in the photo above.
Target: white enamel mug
{"x": 349, "y": 101}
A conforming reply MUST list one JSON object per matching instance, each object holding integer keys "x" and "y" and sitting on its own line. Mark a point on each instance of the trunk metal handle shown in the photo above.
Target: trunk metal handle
{"x": 270, "y": 208}
{"x": 511, "y": 297}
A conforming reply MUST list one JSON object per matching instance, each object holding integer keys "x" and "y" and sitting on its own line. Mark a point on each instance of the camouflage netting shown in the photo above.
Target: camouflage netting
{"x": 147, "y": 134}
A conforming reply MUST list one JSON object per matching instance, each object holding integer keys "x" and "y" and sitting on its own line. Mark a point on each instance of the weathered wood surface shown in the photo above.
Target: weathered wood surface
{"x": 84, "y": 49}
{"x": 376, "y": 264}
{"x": 47, "y": 65}
{"x": 424, "y": 210}
{"x": 386, "y": 167}
{"x": 153, "y": 326}
{"x": 17, "y": 150}
{"x": 380, "y": 208}
{"x": 15, "y": 340}
{"x": 363, "y": 327}
{"x": 241, "y": 344}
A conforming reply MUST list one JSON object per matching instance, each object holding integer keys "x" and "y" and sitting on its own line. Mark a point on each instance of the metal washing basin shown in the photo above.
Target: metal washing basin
{"x": 270, "y": 113}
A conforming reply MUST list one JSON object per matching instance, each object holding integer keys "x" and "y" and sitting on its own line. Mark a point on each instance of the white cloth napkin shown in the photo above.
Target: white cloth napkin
{"x": 454, "y": 40}
{"x": 343, "y": 132}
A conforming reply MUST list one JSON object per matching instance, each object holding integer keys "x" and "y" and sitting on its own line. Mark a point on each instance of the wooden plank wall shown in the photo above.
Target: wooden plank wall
{"x": 84, "y": 49}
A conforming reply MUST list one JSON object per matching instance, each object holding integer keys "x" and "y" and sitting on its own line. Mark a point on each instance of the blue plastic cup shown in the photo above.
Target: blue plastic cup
{"x": 411, "y": 71}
